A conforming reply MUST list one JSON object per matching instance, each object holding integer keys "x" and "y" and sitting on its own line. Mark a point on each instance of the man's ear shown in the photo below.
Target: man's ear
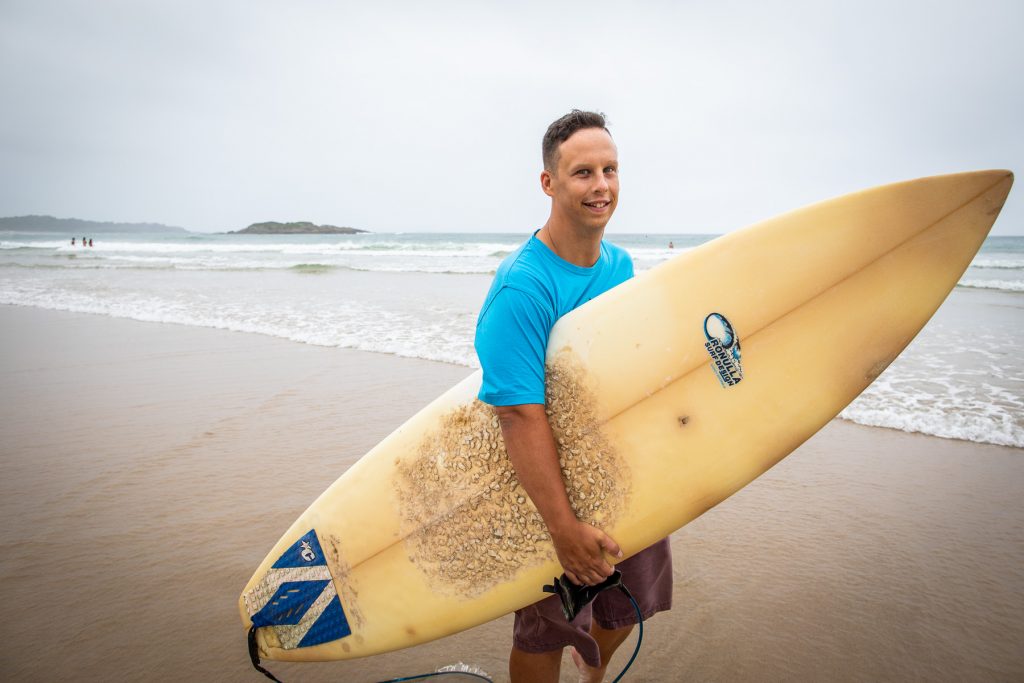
{"x": 545, "y": 182}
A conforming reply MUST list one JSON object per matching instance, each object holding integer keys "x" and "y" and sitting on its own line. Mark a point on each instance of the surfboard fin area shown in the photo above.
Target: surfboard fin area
{"x": 658, "y": 415}
{"x": 297, "y": 598}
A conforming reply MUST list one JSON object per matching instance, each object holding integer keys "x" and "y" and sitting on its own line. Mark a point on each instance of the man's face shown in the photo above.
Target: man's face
{"x": 585, "y": 185}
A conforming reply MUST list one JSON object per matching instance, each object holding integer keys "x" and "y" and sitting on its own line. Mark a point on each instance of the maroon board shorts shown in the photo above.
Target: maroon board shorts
{"x": 542, "y": 627}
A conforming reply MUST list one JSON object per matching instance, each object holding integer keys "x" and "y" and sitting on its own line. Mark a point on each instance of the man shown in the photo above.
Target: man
{"x": 562, "y": 266}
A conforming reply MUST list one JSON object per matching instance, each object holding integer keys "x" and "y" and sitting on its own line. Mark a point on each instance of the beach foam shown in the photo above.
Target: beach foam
{"x": 1005, "y": 285}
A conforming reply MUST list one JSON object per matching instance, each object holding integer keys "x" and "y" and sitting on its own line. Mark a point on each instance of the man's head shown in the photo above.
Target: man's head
{"x": 581, "y": 172}
{"x": 563, "y": 128}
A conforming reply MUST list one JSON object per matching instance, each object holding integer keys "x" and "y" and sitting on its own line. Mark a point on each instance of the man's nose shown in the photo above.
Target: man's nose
{"x": 602, "y": 183}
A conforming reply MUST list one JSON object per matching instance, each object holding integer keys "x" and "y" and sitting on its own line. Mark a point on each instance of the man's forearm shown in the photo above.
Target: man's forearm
{"x": 532, "y": 451}
{"x": 580, "y": 547}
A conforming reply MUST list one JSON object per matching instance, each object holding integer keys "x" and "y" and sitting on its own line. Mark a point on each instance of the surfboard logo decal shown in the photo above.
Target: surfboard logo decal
{"x": 298, "y": 599}
{"x": 723, "y": 345}
{"x": 307, "y": 551}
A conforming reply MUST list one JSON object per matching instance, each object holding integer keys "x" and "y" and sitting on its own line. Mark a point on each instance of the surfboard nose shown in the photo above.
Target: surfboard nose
{"x": 986, "y": 205}
{"x": 1002, "y": 182}
{"x": 990, "y": 187}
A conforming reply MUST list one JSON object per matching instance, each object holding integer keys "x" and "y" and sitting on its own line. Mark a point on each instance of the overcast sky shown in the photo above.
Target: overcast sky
{"x": 427, "y": 116}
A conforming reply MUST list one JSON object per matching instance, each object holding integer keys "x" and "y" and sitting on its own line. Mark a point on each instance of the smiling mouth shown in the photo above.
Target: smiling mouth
{"x": 597, "y": 205}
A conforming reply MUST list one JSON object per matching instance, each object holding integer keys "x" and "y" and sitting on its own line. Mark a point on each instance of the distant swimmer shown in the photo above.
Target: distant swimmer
{"x": 72, "y": 241}
{"x": 671, "y": 246}
{"x": 90, "y": 241}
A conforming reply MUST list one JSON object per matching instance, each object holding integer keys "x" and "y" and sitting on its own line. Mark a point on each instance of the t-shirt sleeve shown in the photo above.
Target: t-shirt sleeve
{"x": 511, "y": 342}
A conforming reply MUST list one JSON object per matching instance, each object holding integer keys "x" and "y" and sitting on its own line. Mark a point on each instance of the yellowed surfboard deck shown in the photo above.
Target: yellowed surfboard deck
{"x": 667, "y": 395}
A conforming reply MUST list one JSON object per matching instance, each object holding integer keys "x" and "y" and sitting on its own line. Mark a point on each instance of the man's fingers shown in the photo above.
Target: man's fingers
{"x": 610, "y": 546}
{"x": 586, "y": 556}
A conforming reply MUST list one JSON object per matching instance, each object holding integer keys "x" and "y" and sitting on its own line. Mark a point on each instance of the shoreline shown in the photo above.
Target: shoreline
{"x": 150, "y": 467}
{"x": 872, "y": 423}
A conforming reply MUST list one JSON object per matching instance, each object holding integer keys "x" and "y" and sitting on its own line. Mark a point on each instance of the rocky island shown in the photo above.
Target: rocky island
{"x": 296, "y": 228}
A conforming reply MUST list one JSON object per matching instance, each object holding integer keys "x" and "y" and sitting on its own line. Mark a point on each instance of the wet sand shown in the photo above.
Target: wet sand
{"x": 149, "y": 467}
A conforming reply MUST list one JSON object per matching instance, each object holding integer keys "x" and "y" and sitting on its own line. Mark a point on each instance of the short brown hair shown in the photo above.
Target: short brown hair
{"x": 563, "y": 128}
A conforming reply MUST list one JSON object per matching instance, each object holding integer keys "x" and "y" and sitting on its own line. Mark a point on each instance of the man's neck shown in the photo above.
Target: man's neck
{"x": 570, "y": 245}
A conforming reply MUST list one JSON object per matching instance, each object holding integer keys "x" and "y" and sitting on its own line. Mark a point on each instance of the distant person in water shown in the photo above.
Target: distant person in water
{"x": 72, "y": 241}
{"x": 671, "y": 246}
{"x": 90, "y": 241}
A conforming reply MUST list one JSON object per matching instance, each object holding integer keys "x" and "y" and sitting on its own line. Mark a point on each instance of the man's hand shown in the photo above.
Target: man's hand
{"x": 531, "y": 447}
{"x": 581, "y": 551}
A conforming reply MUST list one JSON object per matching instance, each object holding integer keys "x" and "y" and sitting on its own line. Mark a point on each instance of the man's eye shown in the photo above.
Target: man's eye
{"x": 583, "y": 171}
{"x": 611, "y": 169}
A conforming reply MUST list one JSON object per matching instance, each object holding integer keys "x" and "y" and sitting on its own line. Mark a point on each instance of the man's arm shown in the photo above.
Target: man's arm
{"x": 532, "y": 451}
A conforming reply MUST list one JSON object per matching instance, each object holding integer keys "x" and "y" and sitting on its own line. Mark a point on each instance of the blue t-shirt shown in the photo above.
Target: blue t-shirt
{"x": 532, "y": 289}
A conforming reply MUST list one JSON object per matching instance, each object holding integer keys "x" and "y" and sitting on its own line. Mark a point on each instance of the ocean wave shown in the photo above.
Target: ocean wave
{"x": 998, "y": 264}
{"x": 139, "y": 266}
{"x": 390, "y": 256}
{"x": 427, "y": 269}
{"x": 999, "y": 430}
{"x": 354, "y": 326}
{"x": 312, "y": 268}
{"x": 86, "y": 265}
{"x": 382, "y": 248}
{"x": 1003, "y": 285}
{"x": 31, "y": 246}
{"x": 155, "y": 264}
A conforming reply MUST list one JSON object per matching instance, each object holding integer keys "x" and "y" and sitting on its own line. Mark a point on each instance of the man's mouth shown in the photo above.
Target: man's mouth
{"x": 597, "y": 205}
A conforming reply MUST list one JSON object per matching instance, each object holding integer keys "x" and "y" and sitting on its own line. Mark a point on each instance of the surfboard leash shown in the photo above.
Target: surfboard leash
{"x": 254, "y": 655}
{"x": 450, "y": 670}
{"x": 574, "y": 598}
{"x": 639, "y": 632}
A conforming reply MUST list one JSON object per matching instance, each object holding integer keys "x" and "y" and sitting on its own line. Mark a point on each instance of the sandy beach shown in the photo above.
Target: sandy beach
{"x": 149, "y": 467}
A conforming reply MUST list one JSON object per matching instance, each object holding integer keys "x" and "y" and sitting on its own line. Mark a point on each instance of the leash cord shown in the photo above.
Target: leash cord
{"x": 640, "y": 633}
{"x": 254, "y": 655}
{"x": 453, "y": 670}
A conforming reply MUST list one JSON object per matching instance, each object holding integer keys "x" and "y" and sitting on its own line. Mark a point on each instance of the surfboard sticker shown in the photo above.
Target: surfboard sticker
{"x": 297, "y": 598}
{"x": 723, "y": 345}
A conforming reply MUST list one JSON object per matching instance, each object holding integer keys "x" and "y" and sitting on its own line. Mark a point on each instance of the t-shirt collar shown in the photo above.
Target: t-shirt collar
{"x": 554, "y": 258}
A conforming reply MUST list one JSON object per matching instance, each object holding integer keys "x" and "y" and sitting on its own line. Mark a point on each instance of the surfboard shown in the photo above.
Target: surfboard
{"x": 666, "y": 395}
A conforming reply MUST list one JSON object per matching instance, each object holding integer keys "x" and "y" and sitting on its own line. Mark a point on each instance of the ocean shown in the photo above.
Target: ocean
{"x": 417, "y": 295}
